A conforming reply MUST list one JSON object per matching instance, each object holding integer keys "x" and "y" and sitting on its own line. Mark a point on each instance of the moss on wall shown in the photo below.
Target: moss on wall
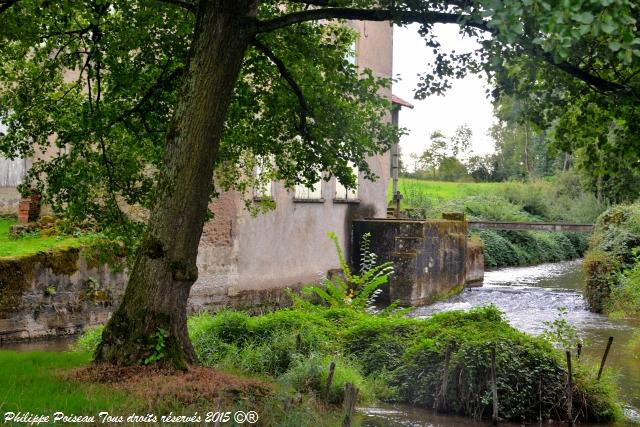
{"x": 16, "y": 273}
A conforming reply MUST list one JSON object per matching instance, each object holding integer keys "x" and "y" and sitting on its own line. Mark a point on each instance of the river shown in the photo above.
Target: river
{"x": 530, "y": 296}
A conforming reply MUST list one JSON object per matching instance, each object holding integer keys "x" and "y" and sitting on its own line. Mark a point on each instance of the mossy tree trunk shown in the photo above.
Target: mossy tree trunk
{"x": 165, "y": 268}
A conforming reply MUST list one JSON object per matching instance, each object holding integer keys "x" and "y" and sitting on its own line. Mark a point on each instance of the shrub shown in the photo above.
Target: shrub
{"x": 624, "y": 300}
{"x": 611, "y": 262}
{"x": 89, "y": 340}
{"x": 600, "y": 272}
{"x": 309, "y": 375}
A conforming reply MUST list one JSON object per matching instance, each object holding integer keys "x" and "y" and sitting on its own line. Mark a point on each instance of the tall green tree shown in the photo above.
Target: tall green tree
{"x": 167, "y": 91}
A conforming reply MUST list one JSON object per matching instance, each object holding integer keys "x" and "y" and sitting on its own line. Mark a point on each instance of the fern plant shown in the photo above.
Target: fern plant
{"x": 355, "y": 290}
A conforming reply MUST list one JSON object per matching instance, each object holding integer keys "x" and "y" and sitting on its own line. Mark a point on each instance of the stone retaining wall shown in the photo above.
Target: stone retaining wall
{"x": 55, "y": 293}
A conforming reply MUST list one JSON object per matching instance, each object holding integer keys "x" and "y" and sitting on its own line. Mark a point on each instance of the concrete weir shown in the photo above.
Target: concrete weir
{"x": 432, "y": 258}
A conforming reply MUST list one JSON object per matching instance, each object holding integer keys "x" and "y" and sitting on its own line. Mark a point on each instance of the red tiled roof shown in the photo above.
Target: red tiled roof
{"x": 399, "y": 101}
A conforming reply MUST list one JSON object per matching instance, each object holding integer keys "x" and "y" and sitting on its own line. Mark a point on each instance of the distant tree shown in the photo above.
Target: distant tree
{"x": 432, "y": 156}
{"x": 452, "y": 169}
{"x": 481, "y": 167}
{"x": 461, "y": 141}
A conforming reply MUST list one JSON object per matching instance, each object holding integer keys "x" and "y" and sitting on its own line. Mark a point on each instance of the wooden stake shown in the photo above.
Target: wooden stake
{"x": 604, "y": 357}
{"x": 441, "y": 398}
{"x": 350, "y": 399}
{"x": 569, "y": 391}
{"x": 494, "y": 387}
{"x": 579, "y": 350}
{"x": 327, "y": 389}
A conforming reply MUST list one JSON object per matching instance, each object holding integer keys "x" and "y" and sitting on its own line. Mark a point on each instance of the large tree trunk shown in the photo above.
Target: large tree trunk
{"x": 165, "y": 269}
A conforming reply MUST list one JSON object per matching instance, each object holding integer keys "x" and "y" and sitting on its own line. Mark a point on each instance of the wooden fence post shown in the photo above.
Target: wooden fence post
{"x": 350, "y": 399}
{"x": 579, "y": 350}
{"x": 494, "y": 387}
{"x": 569, "y": 390}
{"x": 327, "y": 389}
{"x": 604, "y": 357}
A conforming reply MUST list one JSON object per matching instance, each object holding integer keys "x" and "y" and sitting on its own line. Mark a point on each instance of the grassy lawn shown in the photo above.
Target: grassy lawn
{"x": 30, "y": 244}
{"x": 43, "y": 383}
{"x": 34, "y": 382}
{"x": 448, "y": 190}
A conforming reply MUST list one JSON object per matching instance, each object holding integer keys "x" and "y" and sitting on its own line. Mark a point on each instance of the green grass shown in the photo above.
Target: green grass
{"x": 34, "y": 382}
{"x": 31, "y": 244}
{"x": 447, "y": 190}
{"x": 39, "y": 383}
{"x": 558, "y": 200}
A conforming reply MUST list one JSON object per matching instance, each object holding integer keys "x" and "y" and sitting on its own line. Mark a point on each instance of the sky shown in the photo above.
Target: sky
{"x": 466, "y": 102}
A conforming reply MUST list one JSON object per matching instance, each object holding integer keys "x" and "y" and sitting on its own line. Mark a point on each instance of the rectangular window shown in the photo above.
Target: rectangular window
{"x": 344, "y": 193}
{"x": 11, "y": 171}
{"x": 303, "y": 192}
{"x": 263, "y": 189}
{"x": 352, "y": 53}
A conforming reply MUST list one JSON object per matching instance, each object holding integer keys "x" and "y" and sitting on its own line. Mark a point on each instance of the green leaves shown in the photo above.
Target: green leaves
{"x": 357, "y": 291}
{"x": 584, "y": 18}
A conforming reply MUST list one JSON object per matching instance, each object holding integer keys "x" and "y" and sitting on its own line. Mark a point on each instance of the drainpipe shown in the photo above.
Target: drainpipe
{"x": 395, "y": 166}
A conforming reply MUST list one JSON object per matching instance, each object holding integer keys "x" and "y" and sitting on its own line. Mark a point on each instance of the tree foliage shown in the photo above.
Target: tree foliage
{"x": 97, "y": 82}
{"x": 143, "y": 100}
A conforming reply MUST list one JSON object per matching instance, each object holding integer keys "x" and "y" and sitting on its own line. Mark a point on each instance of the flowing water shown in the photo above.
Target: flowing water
{"x": 530, "y": 296}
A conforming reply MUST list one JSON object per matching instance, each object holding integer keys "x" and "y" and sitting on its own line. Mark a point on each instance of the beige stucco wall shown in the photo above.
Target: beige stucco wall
{"x": 243, "y": 255}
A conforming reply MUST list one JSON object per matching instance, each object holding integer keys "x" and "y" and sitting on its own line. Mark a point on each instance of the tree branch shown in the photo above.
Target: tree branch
{"x": 398, "y": 16}
{"x": 429, "y": 17}
{"x": 180, "y": 3}
{"x": 159, "y": 85}
{"x": 590, "y": 79}
{"x": 286, "y": 74}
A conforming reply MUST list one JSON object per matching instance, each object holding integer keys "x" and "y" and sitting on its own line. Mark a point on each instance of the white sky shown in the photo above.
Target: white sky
{"x": 466, "y": 102}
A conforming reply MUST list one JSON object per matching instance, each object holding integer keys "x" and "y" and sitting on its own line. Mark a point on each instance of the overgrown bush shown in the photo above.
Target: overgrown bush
{"x": 612, "y": 265}
{"x": 503, "y": 248}
{"x": 625, "y": 295}
{"x": 401, "y": 359}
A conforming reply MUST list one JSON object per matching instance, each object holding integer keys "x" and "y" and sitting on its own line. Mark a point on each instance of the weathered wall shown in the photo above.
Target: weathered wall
{"x": 9, "y": 200}
{"x": 54, "y": 294}
{"x": 475, "y": 263}
{"x": 429, "y": 256}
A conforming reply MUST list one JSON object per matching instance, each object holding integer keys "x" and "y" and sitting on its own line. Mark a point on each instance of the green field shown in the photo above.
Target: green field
{"x": 558, "y": 200}
{"x": 447, "y": 190}
{"x": 32, "y": 243}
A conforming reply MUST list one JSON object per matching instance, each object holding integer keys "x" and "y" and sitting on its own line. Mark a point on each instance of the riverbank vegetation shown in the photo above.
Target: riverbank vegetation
{"x": 612, "y": 264}
{"x": 542, "y": 200}
{"x": 442, "y": 362}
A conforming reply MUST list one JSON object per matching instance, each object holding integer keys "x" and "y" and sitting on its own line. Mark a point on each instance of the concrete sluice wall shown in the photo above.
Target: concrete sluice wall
{"x": 432, "y": 258}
